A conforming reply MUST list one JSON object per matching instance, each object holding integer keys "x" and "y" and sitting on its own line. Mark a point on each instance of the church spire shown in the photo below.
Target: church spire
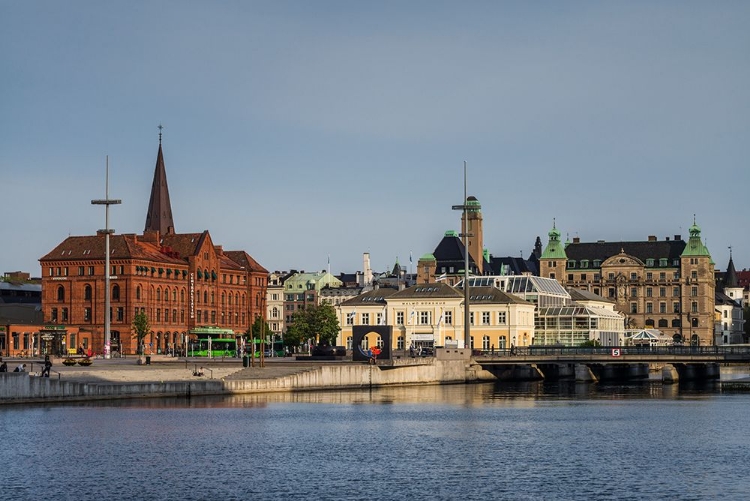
{"x": 159, "y": 215}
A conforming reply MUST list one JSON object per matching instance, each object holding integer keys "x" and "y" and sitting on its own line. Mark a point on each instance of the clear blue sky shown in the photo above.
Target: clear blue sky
{"x": 298, "y": 130}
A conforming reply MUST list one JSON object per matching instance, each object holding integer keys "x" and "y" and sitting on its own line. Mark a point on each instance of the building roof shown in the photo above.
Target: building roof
{"x": 16, "y": 313}
{"x": 159, "y": 214}
{"x": 92, "y": 248}
{"x": 731, "y": 280}
{"x": 428, "y": 291}
{"x": 492, "y": 295}
{"x": 372, "y": 297}
{"x": 245, "y": 260}
{"x": 601, "y": 251}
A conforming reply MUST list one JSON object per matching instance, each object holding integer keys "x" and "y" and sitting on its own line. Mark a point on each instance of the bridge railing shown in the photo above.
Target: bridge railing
{"x": 538, "y": 350}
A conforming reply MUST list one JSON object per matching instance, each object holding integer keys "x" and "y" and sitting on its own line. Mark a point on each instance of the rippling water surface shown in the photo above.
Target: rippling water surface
{"x": 523, "y": 441}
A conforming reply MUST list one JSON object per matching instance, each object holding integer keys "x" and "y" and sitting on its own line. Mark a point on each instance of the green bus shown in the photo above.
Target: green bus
{"x": 275, "y": 349}
{"x": 212, "y": 347}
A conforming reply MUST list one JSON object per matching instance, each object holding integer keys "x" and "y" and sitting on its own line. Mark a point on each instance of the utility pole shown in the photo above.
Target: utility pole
{"x": 107, "y": 231}
{"x": 467, "y": 314}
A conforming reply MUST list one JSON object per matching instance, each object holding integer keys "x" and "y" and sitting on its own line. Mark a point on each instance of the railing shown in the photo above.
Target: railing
{"x": 623, "y": 350}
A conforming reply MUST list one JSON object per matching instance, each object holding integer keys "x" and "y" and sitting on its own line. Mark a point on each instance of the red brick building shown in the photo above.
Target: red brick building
{"x": 181, "y": 282}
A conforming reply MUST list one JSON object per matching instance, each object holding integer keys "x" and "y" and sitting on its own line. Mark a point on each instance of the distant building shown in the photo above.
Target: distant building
{"x": 180, "y": 281}
{"x": 664, "y": 284}
{"x": 730, "y": 322}
{"x": 302, "y": 290}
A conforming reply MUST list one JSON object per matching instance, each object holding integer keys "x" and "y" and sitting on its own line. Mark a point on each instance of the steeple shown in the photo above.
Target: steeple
{"x": 159, "y": 215}
{"x": 730, "y": 277}
{"x": 555, "y": 249}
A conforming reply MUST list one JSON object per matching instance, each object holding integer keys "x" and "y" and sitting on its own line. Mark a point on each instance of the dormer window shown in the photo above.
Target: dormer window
{"x": 650, "y": 262}
{"x": 663, "y": 262}
{"x": 571, "y": 264}
{"x": 597, "y": 263}
{"x": 584, "y": 263}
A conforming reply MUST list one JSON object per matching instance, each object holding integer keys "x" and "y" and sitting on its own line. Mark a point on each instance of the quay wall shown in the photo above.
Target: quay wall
{"x": 25, "y": 388}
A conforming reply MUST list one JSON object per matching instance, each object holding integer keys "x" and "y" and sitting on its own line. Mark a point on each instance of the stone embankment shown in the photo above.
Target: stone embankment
{"x": 169, "y": 377}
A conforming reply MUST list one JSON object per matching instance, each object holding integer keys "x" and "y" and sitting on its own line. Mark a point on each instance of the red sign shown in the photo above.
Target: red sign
{"x": 616, "y": 352}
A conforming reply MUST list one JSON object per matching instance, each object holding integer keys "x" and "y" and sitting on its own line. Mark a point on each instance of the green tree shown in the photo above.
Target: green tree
{"x": 314, "y": 322}
{"x": 259, "y": 329}
{"x": 591, "y": 343}
{"x": 141, "y": 328}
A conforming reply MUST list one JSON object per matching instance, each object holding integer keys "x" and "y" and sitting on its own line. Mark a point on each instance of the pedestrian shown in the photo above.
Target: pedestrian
{"x": 3, "y": 366}
{"x": 493, "y": 349}
{"x": 20, "y": 368}
{"x": 47, "y": 366}
{"x": 512, "y": 349}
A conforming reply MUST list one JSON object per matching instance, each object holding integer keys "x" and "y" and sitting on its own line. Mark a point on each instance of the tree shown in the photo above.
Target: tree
{"x": 314, "y": 322}
{"x": 141, "y": 328}
{"x": 259, "y": 329}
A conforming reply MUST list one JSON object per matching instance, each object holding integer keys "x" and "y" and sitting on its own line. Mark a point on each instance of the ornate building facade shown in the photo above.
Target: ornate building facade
{"x": 180, "y": 281}
{"x": 665, "y": 284}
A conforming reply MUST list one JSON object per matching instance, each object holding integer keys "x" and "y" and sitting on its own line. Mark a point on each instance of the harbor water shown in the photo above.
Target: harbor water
{"x": 487, "y": 441}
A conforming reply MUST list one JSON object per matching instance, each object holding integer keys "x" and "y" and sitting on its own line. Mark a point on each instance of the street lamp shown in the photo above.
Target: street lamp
{"x": 464, "y": 207}
{"x": 106, "y": 203}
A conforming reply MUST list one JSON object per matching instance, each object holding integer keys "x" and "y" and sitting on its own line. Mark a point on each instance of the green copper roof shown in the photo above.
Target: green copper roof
{"x": 451, "y": 233}
{"x": 427, "y": 257}
{"x": 554, "y": 249}
{"x": 473, "y": 205}
{"x": 695, "y": 246}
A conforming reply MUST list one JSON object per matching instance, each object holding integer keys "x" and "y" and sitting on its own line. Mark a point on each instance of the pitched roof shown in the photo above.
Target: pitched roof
{"x": 372, "y": 297}
{"x": 159, "y": 214}
{"x": 428, "y": 291}
{"x": 492, "y": 295}
{"x": 184, "y": 244}
{"x": 581, "y": 295}
{"x": 730, "y": 277}
{"x": 16, "y": 313}
{"x": 670, "y": 249}
{"x": 93, "y": 247}
{"x": 246, "y": 260}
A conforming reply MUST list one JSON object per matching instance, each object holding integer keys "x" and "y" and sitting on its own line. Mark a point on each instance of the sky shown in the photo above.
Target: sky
{"x": 303, "y": 131}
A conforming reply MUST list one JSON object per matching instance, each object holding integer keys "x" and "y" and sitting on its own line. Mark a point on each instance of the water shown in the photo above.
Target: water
{"x": 524, "y": 441}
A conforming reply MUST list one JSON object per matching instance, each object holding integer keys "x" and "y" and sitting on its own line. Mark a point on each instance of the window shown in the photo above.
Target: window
{"x": 694, "y": 308}
{"x": 662, "y": 292}
{"x": 120, "y": 314}
{"x": 87, "y": 293}
{"x": 649, "y": 307}
{"x": 649, "y": 292}
{"x": 662, "y": 307}
{"x": 80, "y": 270}
{"x": 485, "y": 343}
{"x": 649, "y": 276}
{"x": 650, "y": 262}
{"x": 633, "y": 307}
{"x": 425, "y": 318}
{"x": 399, "y": 318}
{"x": 116, "y": 293}
{"x": 571, "y": 264}
{"x": 91, "y": 270}
{"x": 694, "y": 291}
{"x": 64, "y": 315}
{"x": 675, "y": 292}
{"x": 662, "y": 275}
{"x": 61, "y": 293}
{"x": 694, "y": 275}
{"x": 633, "y": 276}
{"x": 87, "y": 314}
{"x": 485, "y": 318}
{"x": 610, "y": 276}
{"x": 611, "y": 292}
{"x": 570, "y": 277}
{"x": 502, "y": 318}
{"x": 365, "y": 319}
{"x": 471, "y": 318}
{"x": 53, "y": 315}
{"x": 379, "y": 319}
{"x": 583, "y": 277}
{"x": 349, "y": 318}
{"x": 634, "y": 292}
{"x": 448, "y": 317}
{"x": 675, "y": 307}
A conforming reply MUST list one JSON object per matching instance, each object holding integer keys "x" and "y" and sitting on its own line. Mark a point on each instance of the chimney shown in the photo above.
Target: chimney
{"x": 652, "y": 238}
{"x": 678, "y": 237}
{"x": 576, "y": 240}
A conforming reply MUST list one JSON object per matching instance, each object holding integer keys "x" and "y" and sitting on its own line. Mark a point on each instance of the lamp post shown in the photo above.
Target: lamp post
{"x": 106, "y": 203}
{"x": 464, "y": 207}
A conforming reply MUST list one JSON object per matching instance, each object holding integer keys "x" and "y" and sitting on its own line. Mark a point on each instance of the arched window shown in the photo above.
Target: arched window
{"x": 182, "y": 296}
{"x": 61, "y": 293}
{"x": 205, "y": 297}
{"x": 158, "y": 294}
{"x": 166, "y": 294}
{"x": 237, "y": 299}
{"x": 87, "y": 293}
{"x": 116, "y": 293}
{"x": 223, "y": 298}
{"x": 138, "y": 292}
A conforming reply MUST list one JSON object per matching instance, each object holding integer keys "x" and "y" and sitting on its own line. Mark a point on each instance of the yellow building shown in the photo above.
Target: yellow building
{"x": 432, "y": 315}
